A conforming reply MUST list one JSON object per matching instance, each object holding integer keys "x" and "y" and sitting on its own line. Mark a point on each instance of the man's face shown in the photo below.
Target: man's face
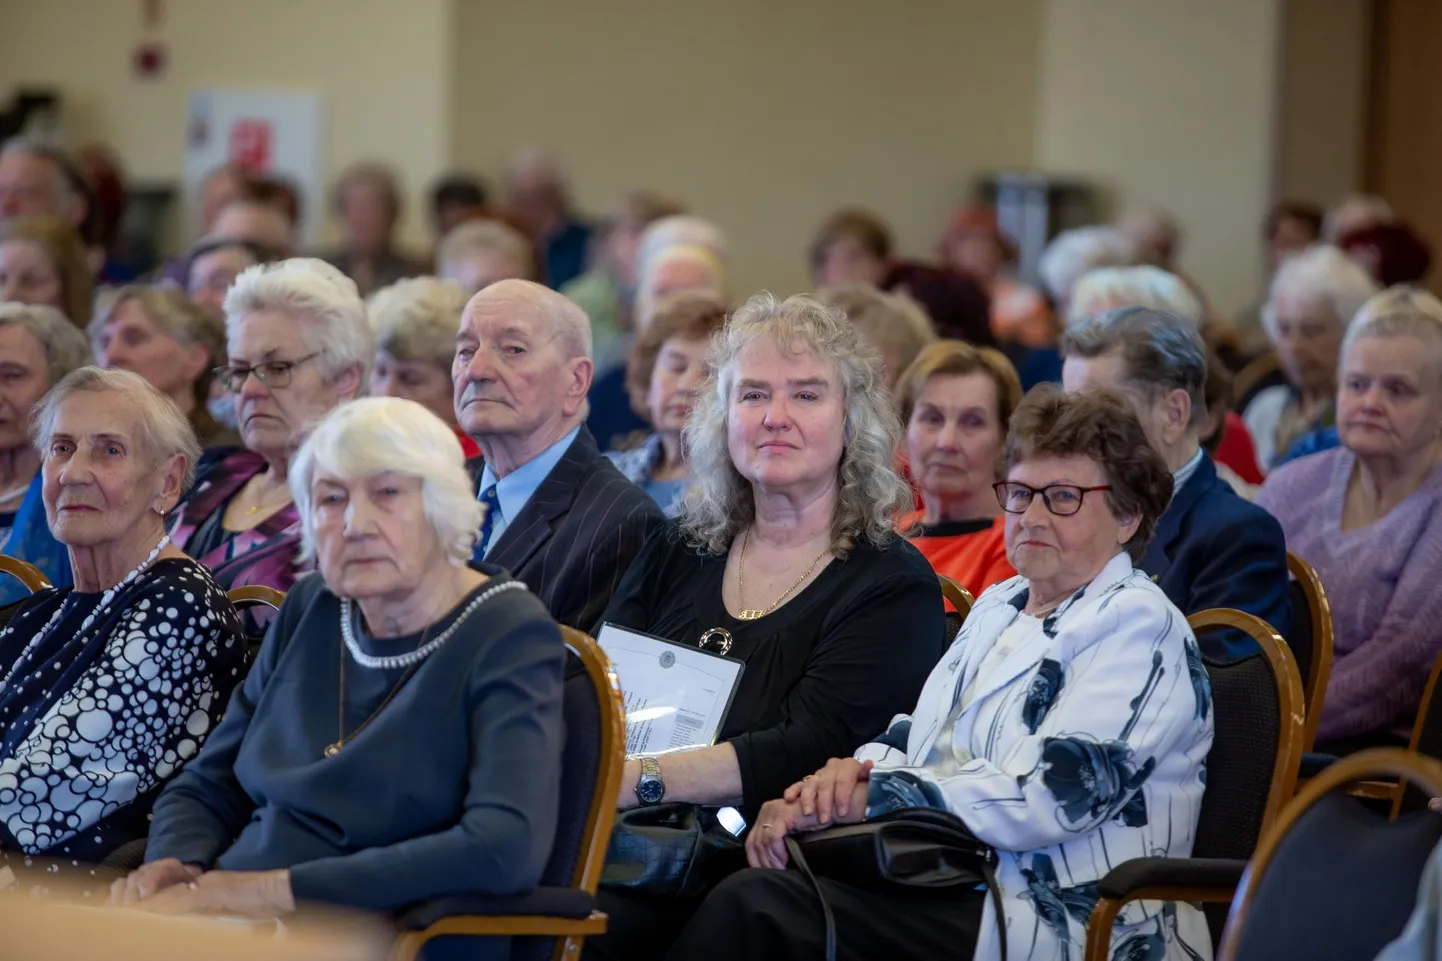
{"x": 512, "y": 374}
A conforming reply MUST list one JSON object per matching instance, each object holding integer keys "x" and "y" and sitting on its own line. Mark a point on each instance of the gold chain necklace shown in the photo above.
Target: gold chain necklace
{"x": 342, "y": 738}
{"x": 751, "y": 614}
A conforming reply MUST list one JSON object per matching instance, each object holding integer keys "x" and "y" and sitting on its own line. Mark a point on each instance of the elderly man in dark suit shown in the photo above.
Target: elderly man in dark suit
{"x": 1212, "y": 548}
{"x": 560, "y": 517}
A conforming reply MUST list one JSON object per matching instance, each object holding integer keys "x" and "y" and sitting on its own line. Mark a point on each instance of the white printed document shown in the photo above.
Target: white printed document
{"x": 676, "y": 696}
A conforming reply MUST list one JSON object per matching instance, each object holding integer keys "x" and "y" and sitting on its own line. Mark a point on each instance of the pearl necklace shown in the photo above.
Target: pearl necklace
{"x": 424, "y": 651}
{"x": 105, "y": 600}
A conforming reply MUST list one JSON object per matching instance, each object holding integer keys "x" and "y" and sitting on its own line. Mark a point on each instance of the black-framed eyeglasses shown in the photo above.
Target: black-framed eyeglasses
{"x": 1060, "y": 499}
{"x": 271, "y": 373}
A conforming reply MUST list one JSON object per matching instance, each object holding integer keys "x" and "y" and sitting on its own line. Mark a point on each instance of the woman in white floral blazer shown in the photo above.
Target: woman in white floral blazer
{"x": 1068, "y": 726}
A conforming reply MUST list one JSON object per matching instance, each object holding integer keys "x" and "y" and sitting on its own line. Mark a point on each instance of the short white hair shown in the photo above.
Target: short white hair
{"x": 324, "y": 303}
{"x": 1141, "y": 286}
{"x": 417, "y": 319}
{"x": 66, "y": 348}
{"x": 1400, "y": 311}
{"x": 485, "y": 236}
{"x": 375, "y": 435}
{"x": 164, "y": 431}
{"x": 1073, "y": 254}
{"x": 1324, "y": 273}
{"x": 1367, "y": 207}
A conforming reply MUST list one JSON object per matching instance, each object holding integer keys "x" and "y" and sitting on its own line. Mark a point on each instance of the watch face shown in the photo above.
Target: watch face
{"x": 650, "y": 790}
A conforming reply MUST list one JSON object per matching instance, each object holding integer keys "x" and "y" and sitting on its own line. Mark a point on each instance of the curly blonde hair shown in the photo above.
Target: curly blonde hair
{"x": 720, "y": 502}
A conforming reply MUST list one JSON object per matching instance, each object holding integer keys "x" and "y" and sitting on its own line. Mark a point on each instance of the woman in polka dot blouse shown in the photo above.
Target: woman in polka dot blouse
{"x": 108, "y": 688}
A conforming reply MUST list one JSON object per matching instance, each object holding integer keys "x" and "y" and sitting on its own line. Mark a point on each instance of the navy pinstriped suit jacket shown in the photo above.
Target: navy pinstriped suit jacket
{"x": 577, "y": 535}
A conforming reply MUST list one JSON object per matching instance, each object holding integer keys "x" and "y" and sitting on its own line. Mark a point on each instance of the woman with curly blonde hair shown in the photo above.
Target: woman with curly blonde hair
{"x": 784, "y": 556}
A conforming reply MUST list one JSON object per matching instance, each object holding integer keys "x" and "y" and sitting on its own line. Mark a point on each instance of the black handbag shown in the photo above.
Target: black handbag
{"x": 674, "y": 851}
{"x": 912, "y": 847}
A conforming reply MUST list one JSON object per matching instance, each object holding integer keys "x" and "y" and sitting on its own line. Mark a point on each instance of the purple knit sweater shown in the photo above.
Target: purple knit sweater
{"x": 1382, "y": 584}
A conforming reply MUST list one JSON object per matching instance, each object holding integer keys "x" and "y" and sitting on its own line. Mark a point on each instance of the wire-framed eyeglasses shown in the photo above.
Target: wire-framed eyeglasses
{"x": 1060, "y": 499}
{"x": 271, "y": 373}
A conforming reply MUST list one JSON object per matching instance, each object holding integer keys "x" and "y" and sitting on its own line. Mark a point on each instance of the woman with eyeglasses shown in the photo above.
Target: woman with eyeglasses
{"x": 299, "y": 345}
{"x": 1068, "y": 726}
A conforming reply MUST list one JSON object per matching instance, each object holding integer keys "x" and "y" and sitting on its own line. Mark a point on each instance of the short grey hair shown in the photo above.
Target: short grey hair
{"x": 1371, "y": 208}
{"x": 324, "y": 303}
{"x": 485, "y": 236}
{"x": 417, "y": 319}
{"x": 1325, "y": 273}
{"x": 889, "y": 321}
{"x": 1142, "y": 286}
{"x": 720, "y": 502}
{"x": 180, "y": 317}
{"x": 65, "y": 193}
{"x": 1161, "y": 352}
{"x": 1400, "y": 311}
{"x": 1074, "y": 253}
{"x": 164, "y": 431}
{"x": 680, "y": 230}
{"x": 66, "y": 348}
{"x": 374, "y": 435}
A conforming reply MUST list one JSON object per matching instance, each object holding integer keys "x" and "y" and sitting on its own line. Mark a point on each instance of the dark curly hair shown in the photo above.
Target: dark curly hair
{"x": 1102, "y": 425}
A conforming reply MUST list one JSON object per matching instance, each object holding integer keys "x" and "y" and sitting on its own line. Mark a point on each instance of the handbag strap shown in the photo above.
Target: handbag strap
{"x": 794, "y": 849}
{"x": 992, "y": 887}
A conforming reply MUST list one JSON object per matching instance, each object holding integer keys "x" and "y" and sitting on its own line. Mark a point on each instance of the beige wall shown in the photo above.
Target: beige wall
{"x": 763, "y": 115}
{"x": 382, "y": 67}
{"x": 1323, "y": 98}
{"x": 1170, "y": 102}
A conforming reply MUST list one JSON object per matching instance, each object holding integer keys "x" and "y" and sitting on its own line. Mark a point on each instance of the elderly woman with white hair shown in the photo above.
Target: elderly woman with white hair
{"x": 1313, "y": 299}
{"x": 299, "y": 344}
{"x": 39, "y": 346}
{"x": 477, "y": 253}
{"x": 1073, "y": 254}
{"x": 313, "y": 787}
{"x": 171, "y": 341}
{"x": 1368, "y": 517}
{"x": 109, "y": 687}
{"x": 416, "y": 322}
{"x": 785, "y": 556}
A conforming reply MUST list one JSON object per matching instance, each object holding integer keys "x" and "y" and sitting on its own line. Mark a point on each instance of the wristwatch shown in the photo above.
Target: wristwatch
{"x": 650, "y": 789}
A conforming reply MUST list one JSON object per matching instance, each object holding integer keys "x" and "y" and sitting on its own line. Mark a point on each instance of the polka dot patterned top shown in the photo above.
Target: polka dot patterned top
{"x": 96, "y": 719}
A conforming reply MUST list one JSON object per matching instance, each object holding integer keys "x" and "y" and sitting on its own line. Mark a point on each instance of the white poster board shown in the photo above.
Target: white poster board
{"x": 271, "y": 132}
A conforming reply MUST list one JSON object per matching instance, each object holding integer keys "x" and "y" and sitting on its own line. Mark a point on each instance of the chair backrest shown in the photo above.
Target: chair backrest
{"x": 1334, "y": 879}
{"x": 1311, "y": 639}
{"x": 1426, "y": 739}
{"x": 24, "y": 572}
{"x": 590, "y": 767}
{"x": 254, "y": 595}
{"x": 1257, "y": 740}
{"x": 959, "y": 596}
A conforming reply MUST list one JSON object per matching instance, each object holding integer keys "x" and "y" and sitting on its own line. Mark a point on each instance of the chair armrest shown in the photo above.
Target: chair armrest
{"x": 568, "y": 903}
{"x": 1140, "y": 873}
{"x": 1314, "y": 764}
{"x": 126, "y": 858}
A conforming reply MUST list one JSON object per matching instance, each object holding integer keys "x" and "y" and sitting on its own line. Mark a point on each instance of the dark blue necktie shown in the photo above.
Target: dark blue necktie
{"x": 493, "y": 510}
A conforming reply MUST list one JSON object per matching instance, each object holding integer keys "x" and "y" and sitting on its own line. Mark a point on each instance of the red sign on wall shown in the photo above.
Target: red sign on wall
{"x": 251, "y": 144}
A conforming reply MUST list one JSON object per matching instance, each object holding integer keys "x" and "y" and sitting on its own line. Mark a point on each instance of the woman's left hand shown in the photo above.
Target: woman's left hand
{"x": 254, "y": 894}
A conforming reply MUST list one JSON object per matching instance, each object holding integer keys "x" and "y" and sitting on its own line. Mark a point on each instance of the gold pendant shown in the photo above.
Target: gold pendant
{"x": 334, "y": 749}
{"x": 750, "y": 615}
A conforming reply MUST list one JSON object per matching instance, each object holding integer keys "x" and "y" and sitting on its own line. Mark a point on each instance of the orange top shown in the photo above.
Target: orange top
{"x": 972, "y": 553}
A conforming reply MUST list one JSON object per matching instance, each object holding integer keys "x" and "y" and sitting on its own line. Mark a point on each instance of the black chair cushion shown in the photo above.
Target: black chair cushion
{"x": 1300, "y": 640}
{"x": 542, "y": 902}
{"x": 1139, "y": 873}
{"x": 1341, "y": 885}
{"x": 1244, "y": 752}
{"x": 580, "y": 769}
